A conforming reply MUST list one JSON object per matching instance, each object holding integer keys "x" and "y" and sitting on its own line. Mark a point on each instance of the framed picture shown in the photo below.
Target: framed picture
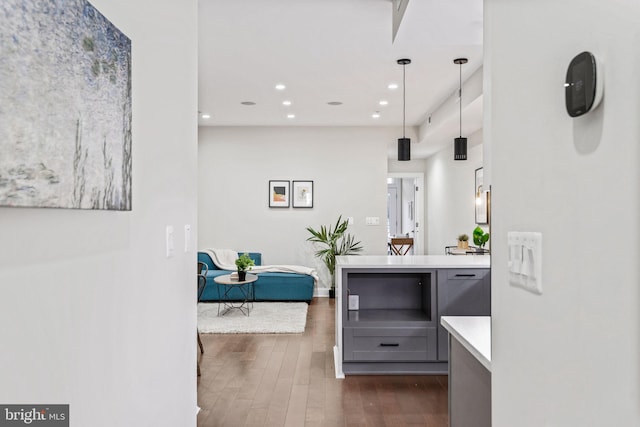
{"x": 278, "y": 194}
{"x": 302, "y": 194}
{"x": 65, "y": 137}
{"x": 482, "y": 207}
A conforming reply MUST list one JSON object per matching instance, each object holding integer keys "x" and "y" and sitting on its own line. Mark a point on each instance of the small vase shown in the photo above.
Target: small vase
{"x": 242, "y": 276}
{"x": 463, "y": 244}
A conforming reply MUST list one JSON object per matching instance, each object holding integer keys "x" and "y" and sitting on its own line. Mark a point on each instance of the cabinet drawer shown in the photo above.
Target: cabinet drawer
{"x": 390, "y": 344}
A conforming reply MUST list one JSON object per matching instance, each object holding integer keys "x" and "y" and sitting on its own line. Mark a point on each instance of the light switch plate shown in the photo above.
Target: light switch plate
{"x": 525, "y": 260}
{"x": 170, "y": 242}
{"x": 372, "y": 220}
{"x": 187, "y": 237}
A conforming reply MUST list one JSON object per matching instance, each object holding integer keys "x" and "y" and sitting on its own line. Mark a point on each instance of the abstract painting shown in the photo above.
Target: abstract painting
{"x": 65, "y": 107}
{"x": 278, "y": 194}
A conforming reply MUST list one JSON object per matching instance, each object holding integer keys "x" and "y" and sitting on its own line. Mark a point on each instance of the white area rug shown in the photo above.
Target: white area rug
{"x": 264, "y": 318}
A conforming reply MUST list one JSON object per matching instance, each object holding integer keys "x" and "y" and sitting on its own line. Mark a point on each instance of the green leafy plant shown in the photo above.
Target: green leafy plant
{"x": 480, "y": 238}
{"x": 244, "y": 262}
{"x": 463, "y": 238}
{"x": 335, "y": 241}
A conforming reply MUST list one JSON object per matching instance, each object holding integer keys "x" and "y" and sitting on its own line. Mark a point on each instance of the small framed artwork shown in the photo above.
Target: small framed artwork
{"x": 481, "y": 198}
{"x": 278, "y": 194}
{"x": 302, "y": 194}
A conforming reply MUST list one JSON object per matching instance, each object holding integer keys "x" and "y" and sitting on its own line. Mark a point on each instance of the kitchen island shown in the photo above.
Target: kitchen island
{"x": 388, "y": 310}
{"x": 469, "y": 370}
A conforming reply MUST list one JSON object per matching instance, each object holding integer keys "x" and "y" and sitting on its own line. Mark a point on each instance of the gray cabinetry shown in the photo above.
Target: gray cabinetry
{"x": 397, "y": 302}
{"x": 461, "y": 292}
{"x": 395, "y": 327}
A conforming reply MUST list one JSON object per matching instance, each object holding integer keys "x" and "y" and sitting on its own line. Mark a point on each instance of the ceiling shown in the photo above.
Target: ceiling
{"x": 331, "y": 50}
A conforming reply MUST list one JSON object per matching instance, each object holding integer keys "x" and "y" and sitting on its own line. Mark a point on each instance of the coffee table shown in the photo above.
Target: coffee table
{"x": 229, "y": 282}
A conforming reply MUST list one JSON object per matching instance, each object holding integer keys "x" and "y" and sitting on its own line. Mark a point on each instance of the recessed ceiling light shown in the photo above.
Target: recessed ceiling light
{"x": 393, "y": 86}
{"x": 287, "y": 103}
{"x": 376, "y": 115}
{"x": 280, "y": 86}
{"x": 291, "y": 116}
{"x": 383, "y": 102}
{"x": 334, "y": 103}
{"x": 248, "y": 103}
{"x": 206, "y": 116}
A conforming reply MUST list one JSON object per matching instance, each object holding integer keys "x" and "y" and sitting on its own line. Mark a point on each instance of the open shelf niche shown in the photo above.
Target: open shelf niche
{"x": 392, "y": 299}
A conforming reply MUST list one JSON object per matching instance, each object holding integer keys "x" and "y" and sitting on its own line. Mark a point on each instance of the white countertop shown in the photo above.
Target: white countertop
{"x": 474, "y": 333}
{"x": 413, "y": 261}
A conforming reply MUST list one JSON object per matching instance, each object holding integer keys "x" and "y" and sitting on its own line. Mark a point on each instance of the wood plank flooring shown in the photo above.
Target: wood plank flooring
{"x": 289, "y": 380}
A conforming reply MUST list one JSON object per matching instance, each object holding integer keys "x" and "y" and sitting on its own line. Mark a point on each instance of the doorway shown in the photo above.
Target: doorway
{"x": 405, "y": 202}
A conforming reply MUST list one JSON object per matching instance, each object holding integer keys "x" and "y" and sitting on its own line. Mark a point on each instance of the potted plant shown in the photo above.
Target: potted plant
{"x": 244, "y": 263}
{"x": 463, "y": 241}
{"x": 480, "y": 238}
{"x": 335, "y": 241}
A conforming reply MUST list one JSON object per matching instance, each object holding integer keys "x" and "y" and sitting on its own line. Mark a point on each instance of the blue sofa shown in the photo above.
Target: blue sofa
{"x": 270, "y": 286}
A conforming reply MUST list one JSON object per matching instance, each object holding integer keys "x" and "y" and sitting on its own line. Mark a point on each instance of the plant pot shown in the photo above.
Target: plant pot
{"x": 242, "y": 276}
{"x": 332, "y": 292}
{"x": 463, "y": 245}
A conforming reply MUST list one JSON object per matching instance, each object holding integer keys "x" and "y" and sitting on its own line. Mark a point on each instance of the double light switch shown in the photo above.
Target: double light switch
{"x": 525, "y": 260}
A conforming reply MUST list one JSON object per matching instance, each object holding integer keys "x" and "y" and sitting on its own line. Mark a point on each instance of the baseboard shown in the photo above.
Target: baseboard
{"x": 321, "y": 293}
{"x": 336, "y": 363}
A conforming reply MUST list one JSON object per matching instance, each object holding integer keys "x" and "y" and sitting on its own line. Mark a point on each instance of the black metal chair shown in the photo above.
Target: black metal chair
{"x": 202, "y": 283}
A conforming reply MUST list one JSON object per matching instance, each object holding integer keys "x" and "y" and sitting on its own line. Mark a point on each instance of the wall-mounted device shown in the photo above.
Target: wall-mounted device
{"x": 584, "y": 84}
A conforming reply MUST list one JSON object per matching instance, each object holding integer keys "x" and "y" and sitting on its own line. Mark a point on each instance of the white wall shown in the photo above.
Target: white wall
{"x": 92, "y": 313}
{"x": 571, "y": 356}
{"x": 348, "y": 167}
{"x": 410, "y": 167}
{"x": 450, "y": 201}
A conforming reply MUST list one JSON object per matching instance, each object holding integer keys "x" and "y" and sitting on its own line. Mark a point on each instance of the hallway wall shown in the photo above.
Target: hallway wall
{"x": 93, "y": 314}
{"x": 571, "y": 356}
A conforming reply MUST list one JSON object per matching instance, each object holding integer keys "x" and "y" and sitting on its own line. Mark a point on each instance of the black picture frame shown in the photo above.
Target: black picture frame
{"x": 279, "y": 194}
{"x": 302, "y": 194}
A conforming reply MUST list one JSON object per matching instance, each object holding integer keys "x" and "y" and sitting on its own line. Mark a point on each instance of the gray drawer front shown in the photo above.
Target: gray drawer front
{"x": 466, "y": 274}
{"x": 390, "y": 344}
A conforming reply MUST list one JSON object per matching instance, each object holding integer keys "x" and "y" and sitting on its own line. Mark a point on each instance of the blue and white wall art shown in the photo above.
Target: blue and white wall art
{"x": 65, "y": 107}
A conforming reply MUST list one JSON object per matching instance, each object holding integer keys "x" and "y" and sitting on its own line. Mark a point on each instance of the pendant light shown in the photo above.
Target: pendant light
{"x": 404, "y": 144}
{"x": 460, "y": 143}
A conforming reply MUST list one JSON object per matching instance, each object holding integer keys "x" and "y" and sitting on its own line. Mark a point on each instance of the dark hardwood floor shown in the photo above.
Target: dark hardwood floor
{"x": 289, "y": 380}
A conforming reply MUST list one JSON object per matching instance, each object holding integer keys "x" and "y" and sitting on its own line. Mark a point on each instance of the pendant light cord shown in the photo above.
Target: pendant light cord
{"x": 460, "y": 95}
{"x": 404, "y": 98}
